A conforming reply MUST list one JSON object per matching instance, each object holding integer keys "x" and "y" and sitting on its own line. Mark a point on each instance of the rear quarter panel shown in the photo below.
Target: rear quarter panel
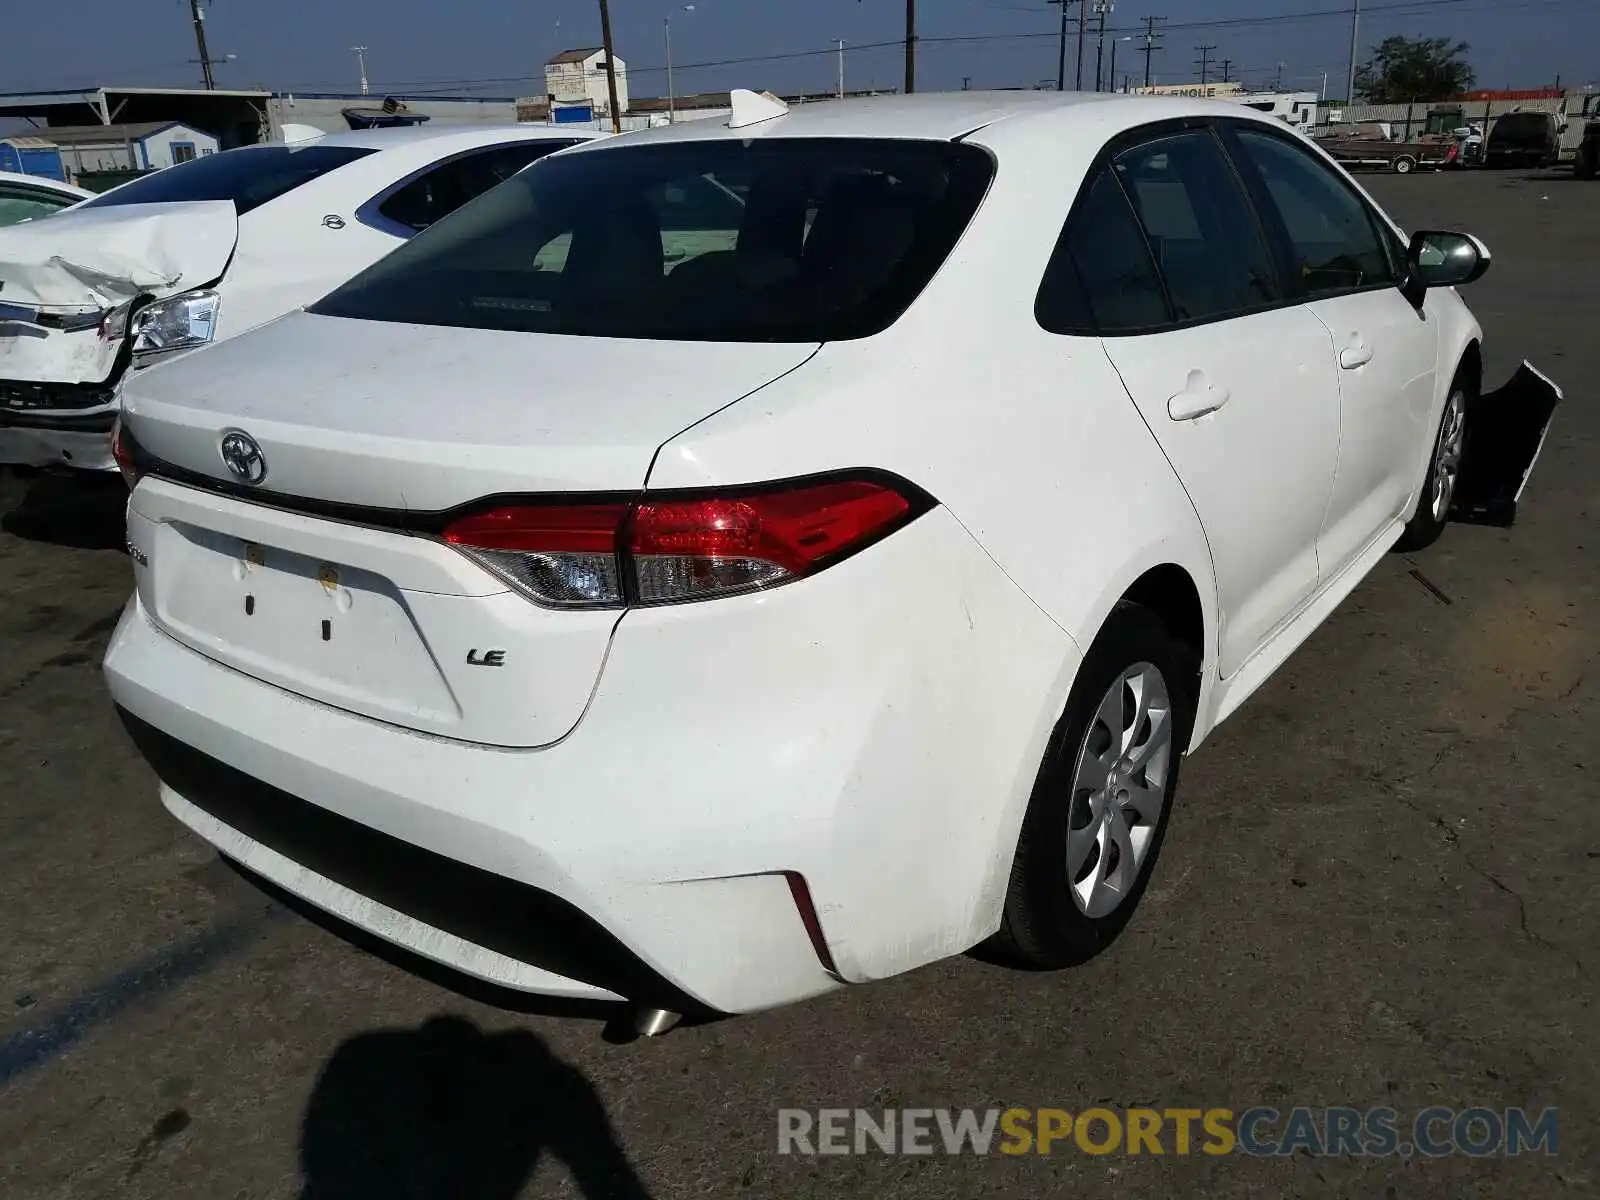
{"x": 1027, "y": 437}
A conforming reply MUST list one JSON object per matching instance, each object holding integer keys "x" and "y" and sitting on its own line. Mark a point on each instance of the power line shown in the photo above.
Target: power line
{"x": 421, "y": 86}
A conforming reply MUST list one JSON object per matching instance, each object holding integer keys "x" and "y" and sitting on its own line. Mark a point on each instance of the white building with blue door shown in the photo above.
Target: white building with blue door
{"x": 145, "y": 146}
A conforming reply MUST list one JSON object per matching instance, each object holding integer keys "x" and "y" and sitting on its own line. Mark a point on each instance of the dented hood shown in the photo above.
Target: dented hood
{"x": 102, "y": 257}
{"x": 57, "y": 275}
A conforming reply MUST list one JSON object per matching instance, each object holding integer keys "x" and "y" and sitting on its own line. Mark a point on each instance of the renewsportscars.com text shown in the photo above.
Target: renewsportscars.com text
{"x": 1433, "y": 1132}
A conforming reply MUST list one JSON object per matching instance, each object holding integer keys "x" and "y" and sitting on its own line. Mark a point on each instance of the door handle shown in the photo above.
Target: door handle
{"x": 1199, "y": 397}
{"x": 1356, "y": 353}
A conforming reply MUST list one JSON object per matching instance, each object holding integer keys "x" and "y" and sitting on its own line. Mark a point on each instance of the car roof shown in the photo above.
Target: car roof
{"x": 946, "y": 116}
{"x": 49, "y": 185}
{"x": 445, "y": 138}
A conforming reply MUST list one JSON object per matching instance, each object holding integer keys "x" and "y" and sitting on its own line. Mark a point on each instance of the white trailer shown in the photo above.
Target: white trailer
{"x": 1293, "y": 108}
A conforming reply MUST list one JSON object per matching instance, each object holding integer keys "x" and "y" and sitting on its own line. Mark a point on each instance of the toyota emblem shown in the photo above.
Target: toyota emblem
{"x": 243, "y": 456}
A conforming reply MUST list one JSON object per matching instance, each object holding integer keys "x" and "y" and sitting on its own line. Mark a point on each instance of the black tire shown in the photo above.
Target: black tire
{"x": 1404, "y": 165}
{"x": 1423, "y": 528}
{"x": 1043, "y": 926}
{"x": 1585, "y": 167}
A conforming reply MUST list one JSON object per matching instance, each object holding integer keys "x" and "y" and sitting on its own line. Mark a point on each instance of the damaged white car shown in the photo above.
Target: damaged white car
{"x": 206, "y": 250}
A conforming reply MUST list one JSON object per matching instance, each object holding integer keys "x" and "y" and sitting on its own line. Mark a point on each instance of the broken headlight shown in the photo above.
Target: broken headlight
{"x": 179, "y": 322}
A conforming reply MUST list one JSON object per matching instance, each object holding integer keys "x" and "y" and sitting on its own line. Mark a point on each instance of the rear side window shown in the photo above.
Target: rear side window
{"x": 249, "y": 177}
{"x": 443, "y": 189}
{"x": 1200, "y": 226}
{"x": 775, "y": 239}
{"x": 1101, "y": 278}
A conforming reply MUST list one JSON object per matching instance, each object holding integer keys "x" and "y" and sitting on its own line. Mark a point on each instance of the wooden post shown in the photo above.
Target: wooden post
{"x": 611, "y": 67}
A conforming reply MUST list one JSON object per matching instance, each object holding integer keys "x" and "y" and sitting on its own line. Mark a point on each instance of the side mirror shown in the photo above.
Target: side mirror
{"x": 1439, "y": 259}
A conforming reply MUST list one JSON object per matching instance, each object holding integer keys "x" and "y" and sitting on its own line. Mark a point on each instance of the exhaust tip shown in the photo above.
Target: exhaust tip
{"x": 653, "y": 1022}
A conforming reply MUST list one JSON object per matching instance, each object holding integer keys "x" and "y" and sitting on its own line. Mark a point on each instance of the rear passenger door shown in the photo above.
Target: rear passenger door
{"x": 1235, "y": 382}
{"x": 1345, "y": 264}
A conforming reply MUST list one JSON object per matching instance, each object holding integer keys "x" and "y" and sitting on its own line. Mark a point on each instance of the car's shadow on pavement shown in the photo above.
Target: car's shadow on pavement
{"x": 79, "y": 510}
{"x": 449, "y": 1111}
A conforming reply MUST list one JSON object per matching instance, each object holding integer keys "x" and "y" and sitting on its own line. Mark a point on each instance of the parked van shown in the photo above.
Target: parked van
{"x": 1524, "y": 139}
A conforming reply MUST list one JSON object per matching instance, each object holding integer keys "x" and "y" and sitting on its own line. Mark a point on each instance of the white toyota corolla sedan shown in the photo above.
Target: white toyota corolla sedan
{"x": 738, "y": 560}
{"x": 205, "y": 250}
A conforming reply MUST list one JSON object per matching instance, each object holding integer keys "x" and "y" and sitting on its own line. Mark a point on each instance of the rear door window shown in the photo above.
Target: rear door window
{"x": 775, "y": 239}
{"x": 1200, "y": 226}
{"x": 250, "y": 176}
{"x": 442, "y": 189}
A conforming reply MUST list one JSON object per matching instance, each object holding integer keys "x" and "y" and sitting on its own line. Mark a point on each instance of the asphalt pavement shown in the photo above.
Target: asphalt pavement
{"x": 1379, "y": 889}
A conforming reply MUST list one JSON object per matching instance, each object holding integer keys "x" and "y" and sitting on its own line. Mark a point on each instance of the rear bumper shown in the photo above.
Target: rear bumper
{"x": 58, "y": 437}
{"x": 875, "y": 731}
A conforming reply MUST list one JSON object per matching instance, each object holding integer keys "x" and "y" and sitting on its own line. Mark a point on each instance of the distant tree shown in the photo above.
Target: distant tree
{"x": 1403, "y": 69}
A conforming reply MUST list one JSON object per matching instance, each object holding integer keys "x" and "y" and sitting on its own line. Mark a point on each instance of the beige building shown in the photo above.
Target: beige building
{"x": 577, "y": 79}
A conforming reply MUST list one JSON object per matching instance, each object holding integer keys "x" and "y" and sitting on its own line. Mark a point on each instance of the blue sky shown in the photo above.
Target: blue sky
{"x": 497, "y": 47}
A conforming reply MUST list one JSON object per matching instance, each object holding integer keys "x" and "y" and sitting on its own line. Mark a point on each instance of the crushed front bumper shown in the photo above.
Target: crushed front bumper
{"x": 46, "y": 437}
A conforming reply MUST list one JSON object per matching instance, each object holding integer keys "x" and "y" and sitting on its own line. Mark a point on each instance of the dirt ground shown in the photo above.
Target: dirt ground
{"x": 1380, "y": 889}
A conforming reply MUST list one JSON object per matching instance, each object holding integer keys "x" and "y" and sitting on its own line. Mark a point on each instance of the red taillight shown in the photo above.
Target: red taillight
{"x": 686, "y": 549}
{"x": 679, "y": 548}
{"x": 122, "y": 453}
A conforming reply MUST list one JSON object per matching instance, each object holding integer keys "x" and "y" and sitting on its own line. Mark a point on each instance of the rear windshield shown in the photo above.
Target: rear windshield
{"x": 777, "y": 239}
{"x": 249, "y": 177}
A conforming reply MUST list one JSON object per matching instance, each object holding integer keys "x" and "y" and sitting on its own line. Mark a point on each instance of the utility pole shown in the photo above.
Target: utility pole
{"x": 1355, "y": 30}
{"x": 1111, "y": 75}
{"x": 1083, "y": 17}
{"x": 841, "y": 68}
{"x": 1061, "y": 48}
{"x": 1203, "y": 62}
{"x": 611, "y": 66}
{"x": 911, "y": 46}
{"x": 199, "y": 18}
{"x": 1101, "y": 8}
{"x": 1150, "y": 36}
{"x": 672, "y": 95}
{"x": 361, "y": 65}
{"x": 1227, "y": 63}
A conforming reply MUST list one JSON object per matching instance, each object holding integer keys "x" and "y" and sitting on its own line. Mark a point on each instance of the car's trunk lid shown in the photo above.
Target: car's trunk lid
{"x": 327, "y": 578}
{"x": 411, "y": 417}
{"x": 60, "y": 275}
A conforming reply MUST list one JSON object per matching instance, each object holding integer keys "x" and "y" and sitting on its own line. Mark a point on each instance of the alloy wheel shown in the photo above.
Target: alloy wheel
{"x": 1119, "y": 788}
{"x": 1447, "y": 455}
